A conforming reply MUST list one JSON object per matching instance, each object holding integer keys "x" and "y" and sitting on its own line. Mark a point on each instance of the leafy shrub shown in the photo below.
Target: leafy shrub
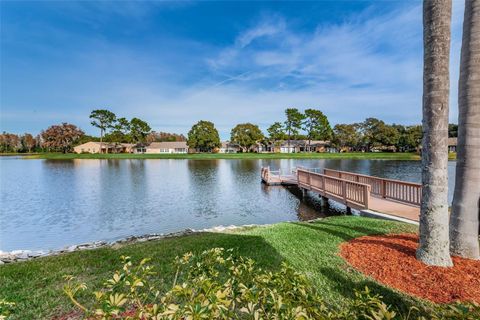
{"x": 458, "y": 311}
{"x": 218, "y": 285}
{"x": 6, "y": 308}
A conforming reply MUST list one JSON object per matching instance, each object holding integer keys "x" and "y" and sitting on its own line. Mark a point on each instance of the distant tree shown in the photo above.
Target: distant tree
{"x": 387, "y": 135}
{"x": 61, "y": 137}
{"x": 293, "y": 124}
{"x": 122, "y": 125}
{"x": 452, "y": 130}
{"x": 117, "y": 137}
{"x": 86, "y": 138}
{"x": 38, "y": 142}
{"x": 120, "y": 131}
{"x": 376, "y": 133}
{"x": 164, "y": 136}
{"x": 104, "y": 120}
{"x": 276, "y": 132}
{"x": 139, "y": 129}
{"x": 370, "y": 128}
{"x": 10, "y": 142}
{"x": 316, "y": 126}
{"x": 410, "y": 138}
{"x": 300, "y": 136}
{"x": 347, "y": 136}
{"x": 28, "y": 142}
{"x": 203, "y": 136}
{"x": 246, "y": 135}
{"x": 3, "y": 142}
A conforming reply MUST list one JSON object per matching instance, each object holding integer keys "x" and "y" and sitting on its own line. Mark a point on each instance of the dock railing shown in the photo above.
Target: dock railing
{"x": 401, "y": 191}
{"x": 267, "y": 174}
{"x": 350, "y": 193}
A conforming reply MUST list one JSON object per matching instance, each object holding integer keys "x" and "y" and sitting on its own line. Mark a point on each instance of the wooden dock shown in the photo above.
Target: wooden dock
{"x": 373, "y": 196}
{"x": 278, "y": 178}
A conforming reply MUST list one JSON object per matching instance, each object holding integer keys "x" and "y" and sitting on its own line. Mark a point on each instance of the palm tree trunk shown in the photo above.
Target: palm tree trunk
{"x": 433, "y": 247}
{"x": 465, "y": 209}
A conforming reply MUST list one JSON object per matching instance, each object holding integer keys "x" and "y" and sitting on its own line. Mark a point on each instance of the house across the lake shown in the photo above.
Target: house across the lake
{"x": 452, "y": 144}
{"x": 167, "y": 147}
{"x": 228, "y": 147}
{"x": 292, "y": 146}
{"x": 105, "y": 147}
{"x": 154, "y": 147}
{"x": 295, "y": 146}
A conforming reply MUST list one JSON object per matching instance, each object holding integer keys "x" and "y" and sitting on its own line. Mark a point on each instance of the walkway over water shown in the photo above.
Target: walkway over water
{"x": 388, "y": 198}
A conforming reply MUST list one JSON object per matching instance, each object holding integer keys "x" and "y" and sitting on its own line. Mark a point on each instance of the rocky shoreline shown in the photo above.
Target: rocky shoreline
{"x": 24, "y": 255}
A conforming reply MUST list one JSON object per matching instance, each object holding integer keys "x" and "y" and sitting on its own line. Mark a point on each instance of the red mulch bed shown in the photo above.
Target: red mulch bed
{"x": 390, "y": 259}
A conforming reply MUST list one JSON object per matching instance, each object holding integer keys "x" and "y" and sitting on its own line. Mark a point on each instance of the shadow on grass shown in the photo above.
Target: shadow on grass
{"x": 245, "y": 245}
{"x": 358, "y": 229}
{"x": 332, "y": 231}
{"x": 331, "y": 228}
{"x": 345, "y": 280}
{"x": 338, "y": 230}
{"x": 36, "y": 286}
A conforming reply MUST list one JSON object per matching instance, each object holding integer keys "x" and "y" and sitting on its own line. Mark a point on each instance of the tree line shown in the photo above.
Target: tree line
{"x": 313, "y": 123}
{"x": 310, "y": 125}
{"x": 59, "y": 137}
{"x": 63, "y": 137}
{"x": 371, "y": 134}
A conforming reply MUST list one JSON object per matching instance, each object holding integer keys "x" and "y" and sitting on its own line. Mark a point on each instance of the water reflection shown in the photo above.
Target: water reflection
{"x": 48, "y": 204}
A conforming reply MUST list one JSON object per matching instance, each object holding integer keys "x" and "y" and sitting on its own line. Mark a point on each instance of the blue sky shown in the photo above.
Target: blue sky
{"x": 174, "y": 63}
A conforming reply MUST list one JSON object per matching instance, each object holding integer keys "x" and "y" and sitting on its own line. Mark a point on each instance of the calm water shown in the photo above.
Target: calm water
{"x": 49, "y": 204}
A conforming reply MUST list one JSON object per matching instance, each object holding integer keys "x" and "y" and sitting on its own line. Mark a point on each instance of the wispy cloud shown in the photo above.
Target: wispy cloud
{"x": 367, "y": 65}
{"x": 380, "y": 51}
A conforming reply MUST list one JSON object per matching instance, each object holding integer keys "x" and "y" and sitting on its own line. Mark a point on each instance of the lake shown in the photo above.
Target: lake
{"x": 50, "y": 204}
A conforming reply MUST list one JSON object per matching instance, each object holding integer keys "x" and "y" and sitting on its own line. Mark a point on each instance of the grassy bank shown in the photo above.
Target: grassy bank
{"x": 36, "y": 286}
{"x": 208, "y": 156}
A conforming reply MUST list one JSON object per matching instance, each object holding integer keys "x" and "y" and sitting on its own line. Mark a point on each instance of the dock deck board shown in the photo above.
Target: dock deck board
{"x": 394, "y": 208}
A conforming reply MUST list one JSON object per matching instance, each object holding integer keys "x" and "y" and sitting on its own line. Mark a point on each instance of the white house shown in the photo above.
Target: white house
{"x": 105, "y": 147}
{"x": 228, "y": 147}
{"x": 167, "y": 147}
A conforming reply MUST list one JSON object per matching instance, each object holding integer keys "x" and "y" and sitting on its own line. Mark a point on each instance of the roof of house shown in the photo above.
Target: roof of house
{"x": 106, "y": 144}
{"x": 295, "y": 143}
{"x": 452, "y": 141}
{"x": 228, "y": 144}
{"x": 168, "y": 145}
{"x": 83, "y": 144}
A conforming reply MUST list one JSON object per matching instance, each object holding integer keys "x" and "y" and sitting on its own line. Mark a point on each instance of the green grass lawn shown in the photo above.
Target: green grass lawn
{"x": 207, "y": 156}
{"x": 36, "y": 286}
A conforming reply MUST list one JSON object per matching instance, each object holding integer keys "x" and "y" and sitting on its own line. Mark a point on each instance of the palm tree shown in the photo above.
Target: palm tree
{"x": 465, "y": 210}
{"x": 102, "y": 119}
{"x": 293, "y": 123}
{"x": 433, "y": 247}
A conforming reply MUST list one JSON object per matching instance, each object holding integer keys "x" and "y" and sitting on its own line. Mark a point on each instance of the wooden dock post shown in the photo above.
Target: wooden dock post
{"x": 324, "y": 202}
{"x": 304, "y": 192}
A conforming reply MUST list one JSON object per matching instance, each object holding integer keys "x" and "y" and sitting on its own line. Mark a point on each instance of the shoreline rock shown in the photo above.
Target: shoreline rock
{"x": 25, "y": 255}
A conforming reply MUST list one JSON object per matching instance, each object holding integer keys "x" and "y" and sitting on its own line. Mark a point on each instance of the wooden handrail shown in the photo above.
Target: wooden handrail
{"x": 374, "y": 177}
{"x": 402, "y": 191}
{"x": 351, "y": 193}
